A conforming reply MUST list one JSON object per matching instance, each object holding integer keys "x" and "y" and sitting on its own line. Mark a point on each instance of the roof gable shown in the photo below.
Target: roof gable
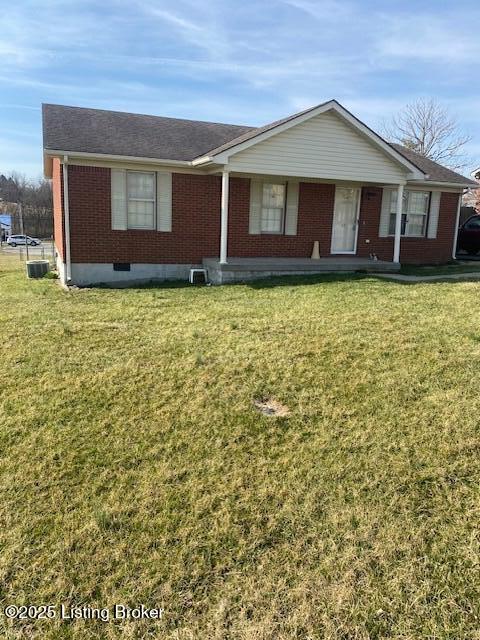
{"x": 256, "y": 136}
{"x": 324, "y": 146}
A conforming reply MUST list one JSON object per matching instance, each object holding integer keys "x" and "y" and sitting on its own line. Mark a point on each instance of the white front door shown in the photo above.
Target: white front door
{"x": 345, "y": 220}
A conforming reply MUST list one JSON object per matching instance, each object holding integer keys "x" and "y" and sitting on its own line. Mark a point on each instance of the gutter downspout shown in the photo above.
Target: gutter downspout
{"x": 457, "y": 219}
{"x": 66, "y": 217}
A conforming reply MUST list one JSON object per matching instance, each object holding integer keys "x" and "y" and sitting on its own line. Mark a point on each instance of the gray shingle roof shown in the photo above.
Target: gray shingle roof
{"x": 436, "y": 172}
{"x": 143, "y": 136}
{"x": 131, "y": 134}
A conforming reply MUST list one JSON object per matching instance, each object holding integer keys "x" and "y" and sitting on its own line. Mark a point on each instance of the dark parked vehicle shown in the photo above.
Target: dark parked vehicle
{"x": 469, "y": 235}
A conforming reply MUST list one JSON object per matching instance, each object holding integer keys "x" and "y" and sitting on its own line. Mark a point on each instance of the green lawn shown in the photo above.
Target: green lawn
{"x": 134, "y": 468}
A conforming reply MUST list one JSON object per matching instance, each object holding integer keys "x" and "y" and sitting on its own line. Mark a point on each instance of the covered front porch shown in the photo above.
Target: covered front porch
{"x": 242, "y": 269}
{"x": 318, "y": 177}
{"x": 336, "y": 222}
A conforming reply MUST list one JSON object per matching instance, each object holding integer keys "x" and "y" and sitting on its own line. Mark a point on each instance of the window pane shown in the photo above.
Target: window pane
{"x": 140, "y": 185}
{"x": 391, "y": 228}
{"x": 140, "y": 214}
{"x": 393, "y": 202}
{"x": 273, "y": 195}
{"x": 418, "y": 202}
{"x": 416, "y": 225}
{"x": 272, "y": 220}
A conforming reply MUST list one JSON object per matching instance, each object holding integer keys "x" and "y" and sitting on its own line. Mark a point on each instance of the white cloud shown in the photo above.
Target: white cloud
{"x": 326, "y": 10}
{"x": 429, "y": 38}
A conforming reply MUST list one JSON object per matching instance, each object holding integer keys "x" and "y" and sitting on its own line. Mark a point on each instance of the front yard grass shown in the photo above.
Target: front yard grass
{"x": 135, "y": 469}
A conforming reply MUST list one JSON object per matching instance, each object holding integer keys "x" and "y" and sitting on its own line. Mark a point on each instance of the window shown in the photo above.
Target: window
{"x": 273, "y": 208}
{"x": 414, "y": 213}
{"x": 140, "y": 200}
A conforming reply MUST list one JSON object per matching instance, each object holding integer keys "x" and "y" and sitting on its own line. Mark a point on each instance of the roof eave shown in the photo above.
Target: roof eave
{"x": 450, "y": 185}
{"x": 196, "y": 162}
{"x": 54, "y": 153}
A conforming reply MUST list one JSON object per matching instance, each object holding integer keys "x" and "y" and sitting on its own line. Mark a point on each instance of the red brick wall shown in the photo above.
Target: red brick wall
{"x": 412, "y": 250}
{"x": 58, "y": 222}
{"x": 315, "y": 209}
{"x": 196, "y": 224}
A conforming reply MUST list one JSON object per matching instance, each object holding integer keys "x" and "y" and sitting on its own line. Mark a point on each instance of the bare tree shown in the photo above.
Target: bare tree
{"x": 35, "y": 196}
{"x": 427, "y": 128}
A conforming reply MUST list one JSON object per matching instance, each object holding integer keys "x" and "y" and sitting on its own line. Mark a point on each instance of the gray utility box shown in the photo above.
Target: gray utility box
{"x": 37, "y": 268}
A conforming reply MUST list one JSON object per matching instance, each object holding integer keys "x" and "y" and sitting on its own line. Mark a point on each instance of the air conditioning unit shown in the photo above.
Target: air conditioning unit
{"x": 37, "y": 268}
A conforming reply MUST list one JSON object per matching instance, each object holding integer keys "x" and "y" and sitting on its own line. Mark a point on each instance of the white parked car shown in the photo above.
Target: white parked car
{"x": 14, "y": 240}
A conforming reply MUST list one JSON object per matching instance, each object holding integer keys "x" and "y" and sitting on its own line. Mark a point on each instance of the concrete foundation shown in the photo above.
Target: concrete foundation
{"x": 243, "y": 269}
{"x": 88, "y": 274}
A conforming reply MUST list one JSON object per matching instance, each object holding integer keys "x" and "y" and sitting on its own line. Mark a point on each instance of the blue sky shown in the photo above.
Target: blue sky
{"x": 240, "y": 61}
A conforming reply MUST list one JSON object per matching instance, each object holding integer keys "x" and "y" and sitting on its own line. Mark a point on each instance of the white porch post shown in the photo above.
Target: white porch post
{"x": 224, "y": 219}
{"x": 398, "y": 224}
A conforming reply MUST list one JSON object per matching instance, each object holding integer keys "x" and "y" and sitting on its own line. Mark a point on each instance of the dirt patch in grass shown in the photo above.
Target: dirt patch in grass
{"x": 271, "y": 407}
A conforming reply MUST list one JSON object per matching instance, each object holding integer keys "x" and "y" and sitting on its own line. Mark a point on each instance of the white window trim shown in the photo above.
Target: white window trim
{"x": 427, "y": 215}
{"x": 281, "y": 232}
{"x": 153, "y": 200}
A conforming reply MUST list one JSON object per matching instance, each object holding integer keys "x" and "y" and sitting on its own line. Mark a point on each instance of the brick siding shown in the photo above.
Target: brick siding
{"x": 196, "y": 224}
{"x": 315, "y": 210}
{"x": 412, "y": 250}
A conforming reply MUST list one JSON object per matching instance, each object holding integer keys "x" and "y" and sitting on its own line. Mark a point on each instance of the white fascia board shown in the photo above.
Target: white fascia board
{"x": 332, "y": 105}
{"x": 449, "y": 185}
{"x": 108, "y": 156}
{"x": 203, "y": 160}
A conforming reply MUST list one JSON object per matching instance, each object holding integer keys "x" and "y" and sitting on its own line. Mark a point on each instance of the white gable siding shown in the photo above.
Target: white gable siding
{"x": 323, "y": 147}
